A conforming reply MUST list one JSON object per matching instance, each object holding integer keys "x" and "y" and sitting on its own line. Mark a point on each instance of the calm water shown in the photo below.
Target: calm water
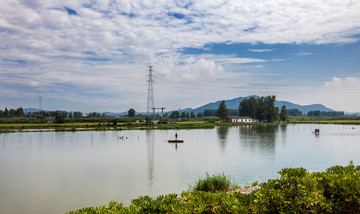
{"x": 54, "y": 172}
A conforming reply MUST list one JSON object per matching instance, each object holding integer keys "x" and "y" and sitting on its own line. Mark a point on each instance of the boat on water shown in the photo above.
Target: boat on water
{"x": 176, "y": 141}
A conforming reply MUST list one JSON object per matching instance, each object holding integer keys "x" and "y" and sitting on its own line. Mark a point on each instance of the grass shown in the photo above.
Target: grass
{"x": 340, "y": 122}
{"x": 104, "y": 126}
{"x": 33, "y": 125}
{"x": 213, "y": 183}
{"x": 84, "y": 126}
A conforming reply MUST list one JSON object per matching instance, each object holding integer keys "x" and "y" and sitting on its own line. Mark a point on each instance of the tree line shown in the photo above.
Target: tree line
{"x": 262, "y": 108}
{"x": 8, "y": 113}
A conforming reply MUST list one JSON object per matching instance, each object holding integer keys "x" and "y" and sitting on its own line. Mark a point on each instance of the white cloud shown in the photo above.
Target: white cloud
{"x": 260, "y": 50}
{"x": 238, "y": 60}
{"x": 42, "y": 47}
{"x": 278, "y": 60}
{"x": 342, "y": 94}
{"x": 346, "y": 85}
{"x": 304, "y": 53}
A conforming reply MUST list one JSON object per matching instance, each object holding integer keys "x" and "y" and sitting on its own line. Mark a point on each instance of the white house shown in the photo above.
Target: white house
{"x": 244, "y": 119}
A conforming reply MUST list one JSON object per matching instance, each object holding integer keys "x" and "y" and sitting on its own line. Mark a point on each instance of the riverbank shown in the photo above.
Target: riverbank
{"x": 111, "y": 127}
{"x": 337, "y": 190}
{"x": 95, "y": 126}
{"x": 337, "y": 122}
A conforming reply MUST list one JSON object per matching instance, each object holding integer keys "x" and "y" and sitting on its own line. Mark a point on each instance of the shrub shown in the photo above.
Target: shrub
{"x": 337, "y": 190}
{"x": 295, "y": 192}
{"x": 213, "y": 183}
{"x": 59, "y": 119}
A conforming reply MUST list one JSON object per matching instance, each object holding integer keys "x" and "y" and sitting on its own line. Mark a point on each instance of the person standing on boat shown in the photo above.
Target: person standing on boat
{"x": 175, "y": 135}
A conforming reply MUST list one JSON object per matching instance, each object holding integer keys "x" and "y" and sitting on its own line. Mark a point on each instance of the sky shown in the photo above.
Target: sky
{"x": 93, "y": 55}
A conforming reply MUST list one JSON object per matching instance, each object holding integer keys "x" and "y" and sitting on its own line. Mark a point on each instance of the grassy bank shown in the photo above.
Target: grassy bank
{"x": 96, "y": 126}
{"x": 337, "y": 190}
{"x": 340, "y": 122}
{"x": 345, "y": 120}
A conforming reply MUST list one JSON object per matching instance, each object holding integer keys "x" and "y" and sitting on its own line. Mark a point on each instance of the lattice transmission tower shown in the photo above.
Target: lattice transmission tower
{"x": 40, "y": 105}
{"x": 150, "y": 96}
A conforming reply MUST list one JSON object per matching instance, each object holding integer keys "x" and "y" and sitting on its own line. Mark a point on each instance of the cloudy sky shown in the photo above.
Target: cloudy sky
{"x": 93, "y": 55}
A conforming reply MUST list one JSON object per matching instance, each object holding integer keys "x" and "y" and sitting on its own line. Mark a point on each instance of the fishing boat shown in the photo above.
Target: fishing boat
{"x": 176, "y": 141}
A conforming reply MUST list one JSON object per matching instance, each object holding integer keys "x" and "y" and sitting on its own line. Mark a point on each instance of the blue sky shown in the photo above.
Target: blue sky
{"x": 93, "y": 55}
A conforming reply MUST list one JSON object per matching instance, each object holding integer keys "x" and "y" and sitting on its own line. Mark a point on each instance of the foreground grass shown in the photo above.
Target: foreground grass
{"x": 337, "y": 190}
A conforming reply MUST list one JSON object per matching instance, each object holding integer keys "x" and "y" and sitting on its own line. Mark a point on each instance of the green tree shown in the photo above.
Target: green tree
{"x": 200, "y": 114}
{"x": 175, "y": 114}
{"x": 222, "y": 112}
{"x": 247, "y": 107}
{"x": 261, "y": 109}
{"x": 131, "y": 112}
{"x": 19, "y": 112}
{"x": 12, "y": 112}
{"x": 60, "y": 118}
{"x": 294, "y": 112}
{"x": 272, "y": 112}
{"x": 148, "y": 121}
{"x": 77, "y": 114}
{"x": 6, "y": 112}
{"x": 192, "y": 115}
{"x": 183, "y": 115}
{"x": 94, "y": 114}
{"x": 283, "y": 113}
{"x": 315, "y": 113}
{"x": 276, "y": 114}
{"x": 233, "y": 112}
{"x": 209, "y": 112}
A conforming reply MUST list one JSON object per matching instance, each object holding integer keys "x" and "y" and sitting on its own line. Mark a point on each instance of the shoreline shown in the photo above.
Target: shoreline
{"x": 74, "y": 127}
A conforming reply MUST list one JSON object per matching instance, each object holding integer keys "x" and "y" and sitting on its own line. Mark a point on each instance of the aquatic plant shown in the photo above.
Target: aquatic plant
{"x": 212, "y": 183}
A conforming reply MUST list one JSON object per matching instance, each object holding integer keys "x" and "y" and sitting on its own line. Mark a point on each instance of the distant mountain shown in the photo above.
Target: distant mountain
{"x": 352, "y": 113}
{"x": 230, "y": 104}
{"x": 303, "y": 108}
{"x": 234, "y": 104}
{"x": 114, "y": 114}
{"x": 32, "y": 110}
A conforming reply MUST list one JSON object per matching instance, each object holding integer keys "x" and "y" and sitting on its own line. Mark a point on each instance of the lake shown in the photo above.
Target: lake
{"x": 55, "y": 172}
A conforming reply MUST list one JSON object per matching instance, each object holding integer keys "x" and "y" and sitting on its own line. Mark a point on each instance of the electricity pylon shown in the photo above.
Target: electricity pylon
{"x": 150, "y": 96}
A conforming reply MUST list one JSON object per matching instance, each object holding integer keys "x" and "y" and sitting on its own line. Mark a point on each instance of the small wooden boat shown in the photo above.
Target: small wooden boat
{"x": 176, "y": 141}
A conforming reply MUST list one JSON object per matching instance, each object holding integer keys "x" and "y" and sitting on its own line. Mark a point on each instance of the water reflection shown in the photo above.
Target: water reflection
{"x": 261, "y": 138}
{"x": 283, "y": 134}
{"x": 3, "y": 140}
{"x": 58, "y": 171}
{"x": 222, "y": 132}
{"x": 150, "y": 142}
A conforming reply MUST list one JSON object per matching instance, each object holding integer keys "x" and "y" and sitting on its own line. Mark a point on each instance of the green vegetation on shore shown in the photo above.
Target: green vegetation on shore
{"x": 140, "y": 125}
{"x": 262, "y": 109}
{"x": 350, "y": 120}
{"x": 337, "y": 190}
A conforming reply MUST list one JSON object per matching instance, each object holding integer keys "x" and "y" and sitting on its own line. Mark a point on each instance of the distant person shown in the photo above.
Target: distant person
{"x": 175, "y": 135}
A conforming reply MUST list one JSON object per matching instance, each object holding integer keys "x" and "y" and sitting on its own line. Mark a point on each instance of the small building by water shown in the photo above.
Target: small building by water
{"x": 243, "y": 119}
